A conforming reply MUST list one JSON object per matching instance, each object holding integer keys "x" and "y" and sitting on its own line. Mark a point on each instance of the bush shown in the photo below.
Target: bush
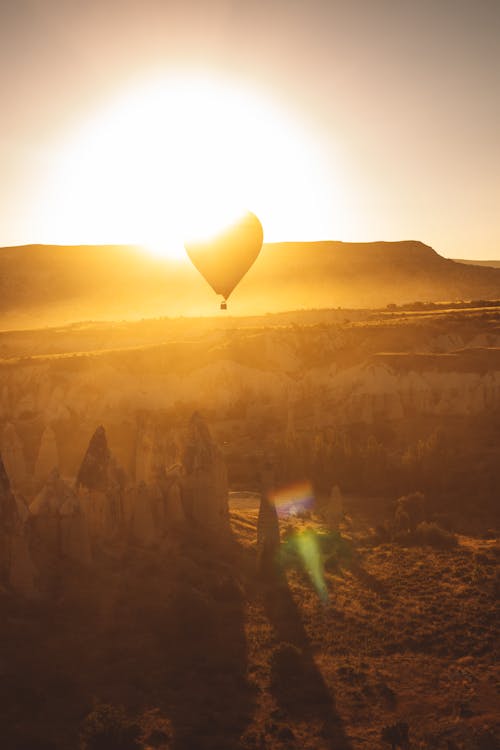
{"x": 410, "y": 510}
{"x": 396, "y": 735}
{"x": 383, "y": 533}
{"x": 434, "y": 536}
{"x": 427, "y": 535}
{"x": 108, "y": 728}
{"x": 156, "y": 730}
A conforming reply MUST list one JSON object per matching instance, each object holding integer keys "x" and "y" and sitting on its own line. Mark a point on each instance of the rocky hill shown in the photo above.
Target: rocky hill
{"x": 490, "y": 263}
{"x": 49, "y": 285}
{"x": 379, "y": 391}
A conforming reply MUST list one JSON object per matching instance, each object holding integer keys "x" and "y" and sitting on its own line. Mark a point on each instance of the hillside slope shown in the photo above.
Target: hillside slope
{"x": 49, "y": 285}
{"x": 488, "y": 263}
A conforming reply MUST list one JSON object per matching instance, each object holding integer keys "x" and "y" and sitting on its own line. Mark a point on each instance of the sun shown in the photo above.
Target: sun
{"x": 177, "y": 157}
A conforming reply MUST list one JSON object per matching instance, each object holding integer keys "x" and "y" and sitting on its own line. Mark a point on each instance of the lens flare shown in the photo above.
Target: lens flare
{"x": 308, "y": 548}
{"x": 293, "y": 499}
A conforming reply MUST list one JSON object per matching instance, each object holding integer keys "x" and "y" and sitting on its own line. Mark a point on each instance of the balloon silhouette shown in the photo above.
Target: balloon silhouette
{"x": 225, "y": 257}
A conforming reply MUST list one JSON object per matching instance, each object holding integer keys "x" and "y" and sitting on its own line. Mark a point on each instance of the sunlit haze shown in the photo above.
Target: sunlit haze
{"x": 179, "y": 157}
{"x": 358, "y": 121}
{"x": 249, "y": 374}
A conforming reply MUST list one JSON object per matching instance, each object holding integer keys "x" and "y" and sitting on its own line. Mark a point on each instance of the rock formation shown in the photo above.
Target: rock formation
{"x": 22, "y": 509}
{"x": 100, "y": 489}
{"x": 205, "y": 489}
{"x": 13, "y": 456}
{"x": 152, "y": 510}
{"x": 59, "y": 523}
{"x": 172, "y": 505}
{"x": 48, "y": 455}
{"x": 8, "y": 506}
{"x": 142, "y": 524}
{"x": 9, "y": 521}
{"x": 75, "y": 541}
{"x": 16, "y": 566}
{"x": 93, "y": 472}
{"x": 22, "y": 575}
{"x": 268, "y": 536}
{"x": 268, "y": 529}
{"x": 149, "y": 453}
{"x": 334, "y": 508}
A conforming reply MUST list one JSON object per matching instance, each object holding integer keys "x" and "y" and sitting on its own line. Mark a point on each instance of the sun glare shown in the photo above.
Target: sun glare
{"x": 178, "y": 158}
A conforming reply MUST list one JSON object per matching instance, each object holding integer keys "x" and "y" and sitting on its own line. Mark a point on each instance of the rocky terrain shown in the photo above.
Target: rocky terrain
{"x": 394, "y": 377}
{"x": 185, "y": 634}
{"x": 200, "y": 544}
{"x": 48, "y": 519}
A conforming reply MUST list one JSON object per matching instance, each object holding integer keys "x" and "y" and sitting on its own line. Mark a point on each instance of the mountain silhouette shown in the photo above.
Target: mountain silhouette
{"x": 52, "y": 284}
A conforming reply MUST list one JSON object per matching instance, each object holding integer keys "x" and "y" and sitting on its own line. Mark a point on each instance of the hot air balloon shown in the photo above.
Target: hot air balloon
{"x": 225, "y": 257}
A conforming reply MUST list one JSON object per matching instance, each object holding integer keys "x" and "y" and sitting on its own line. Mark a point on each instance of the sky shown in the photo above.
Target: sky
{"x": 352, "y": 120}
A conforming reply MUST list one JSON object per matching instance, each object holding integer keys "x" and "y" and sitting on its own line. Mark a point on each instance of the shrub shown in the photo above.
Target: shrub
{"x": 410, "y": 510}
{"x": 108, "y": 728}
{"x": 156, "y": 731}
{"x": 428, "y": 534}
{"x": 396, "y": 735}
{"x": 433, "y": 535}
{"x": 289, "y": 531}
{"x": 486, "y": 740}
{"x": 383, "y": 533}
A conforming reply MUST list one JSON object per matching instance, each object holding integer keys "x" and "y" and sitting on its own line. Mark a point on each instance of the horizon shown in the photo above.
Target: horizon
{"x": 184, "y": 257}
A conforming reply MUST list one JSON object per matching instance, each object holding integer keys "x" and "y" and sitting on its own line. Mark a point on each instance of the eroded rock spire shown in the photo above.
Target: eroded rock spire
{"x": 93, "y": 472}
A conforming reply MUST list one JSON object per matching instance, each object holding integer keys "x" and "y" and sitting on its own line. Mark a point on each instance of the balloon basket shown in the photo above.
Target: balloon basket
{"x": 223, "y": 305}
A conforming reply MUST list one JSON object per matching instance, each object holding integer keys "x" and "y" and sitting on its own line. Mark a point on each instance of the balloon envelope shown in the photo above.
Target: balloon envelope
{"x": 225, "y": 258}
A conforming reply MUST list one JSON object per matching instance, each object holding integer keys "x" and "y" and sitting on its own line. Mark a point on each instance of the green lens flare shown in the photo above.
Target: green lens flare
{"x": 308, "y": 548}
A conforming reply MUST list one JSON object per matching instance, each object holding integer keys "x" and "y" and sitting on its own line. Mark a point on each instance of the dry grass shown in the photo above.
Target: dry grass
{"x": 408, "y": 634}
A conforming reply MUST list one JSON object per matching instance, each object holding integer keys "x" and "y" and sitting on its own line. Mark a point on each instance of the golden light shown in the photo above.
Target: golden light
{"x": 179, "y": 157}
{"x": 210, "y": 219}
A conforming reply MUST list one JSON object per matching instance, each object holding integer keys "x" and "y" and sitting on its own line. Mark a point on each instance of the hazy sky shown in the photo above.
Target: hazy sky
{"x": 396, "y": 103}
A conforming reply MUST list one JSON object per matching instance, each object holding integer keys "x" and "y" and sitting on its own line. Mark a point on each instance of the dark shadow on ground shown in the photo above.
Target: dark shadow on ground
{"x": 210, "y": 701}
{"x": 296, "y": 682}
{"x": 158, "y": 629}
{"x": 369, "y": 580}
{"x": 207, "y": 696}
